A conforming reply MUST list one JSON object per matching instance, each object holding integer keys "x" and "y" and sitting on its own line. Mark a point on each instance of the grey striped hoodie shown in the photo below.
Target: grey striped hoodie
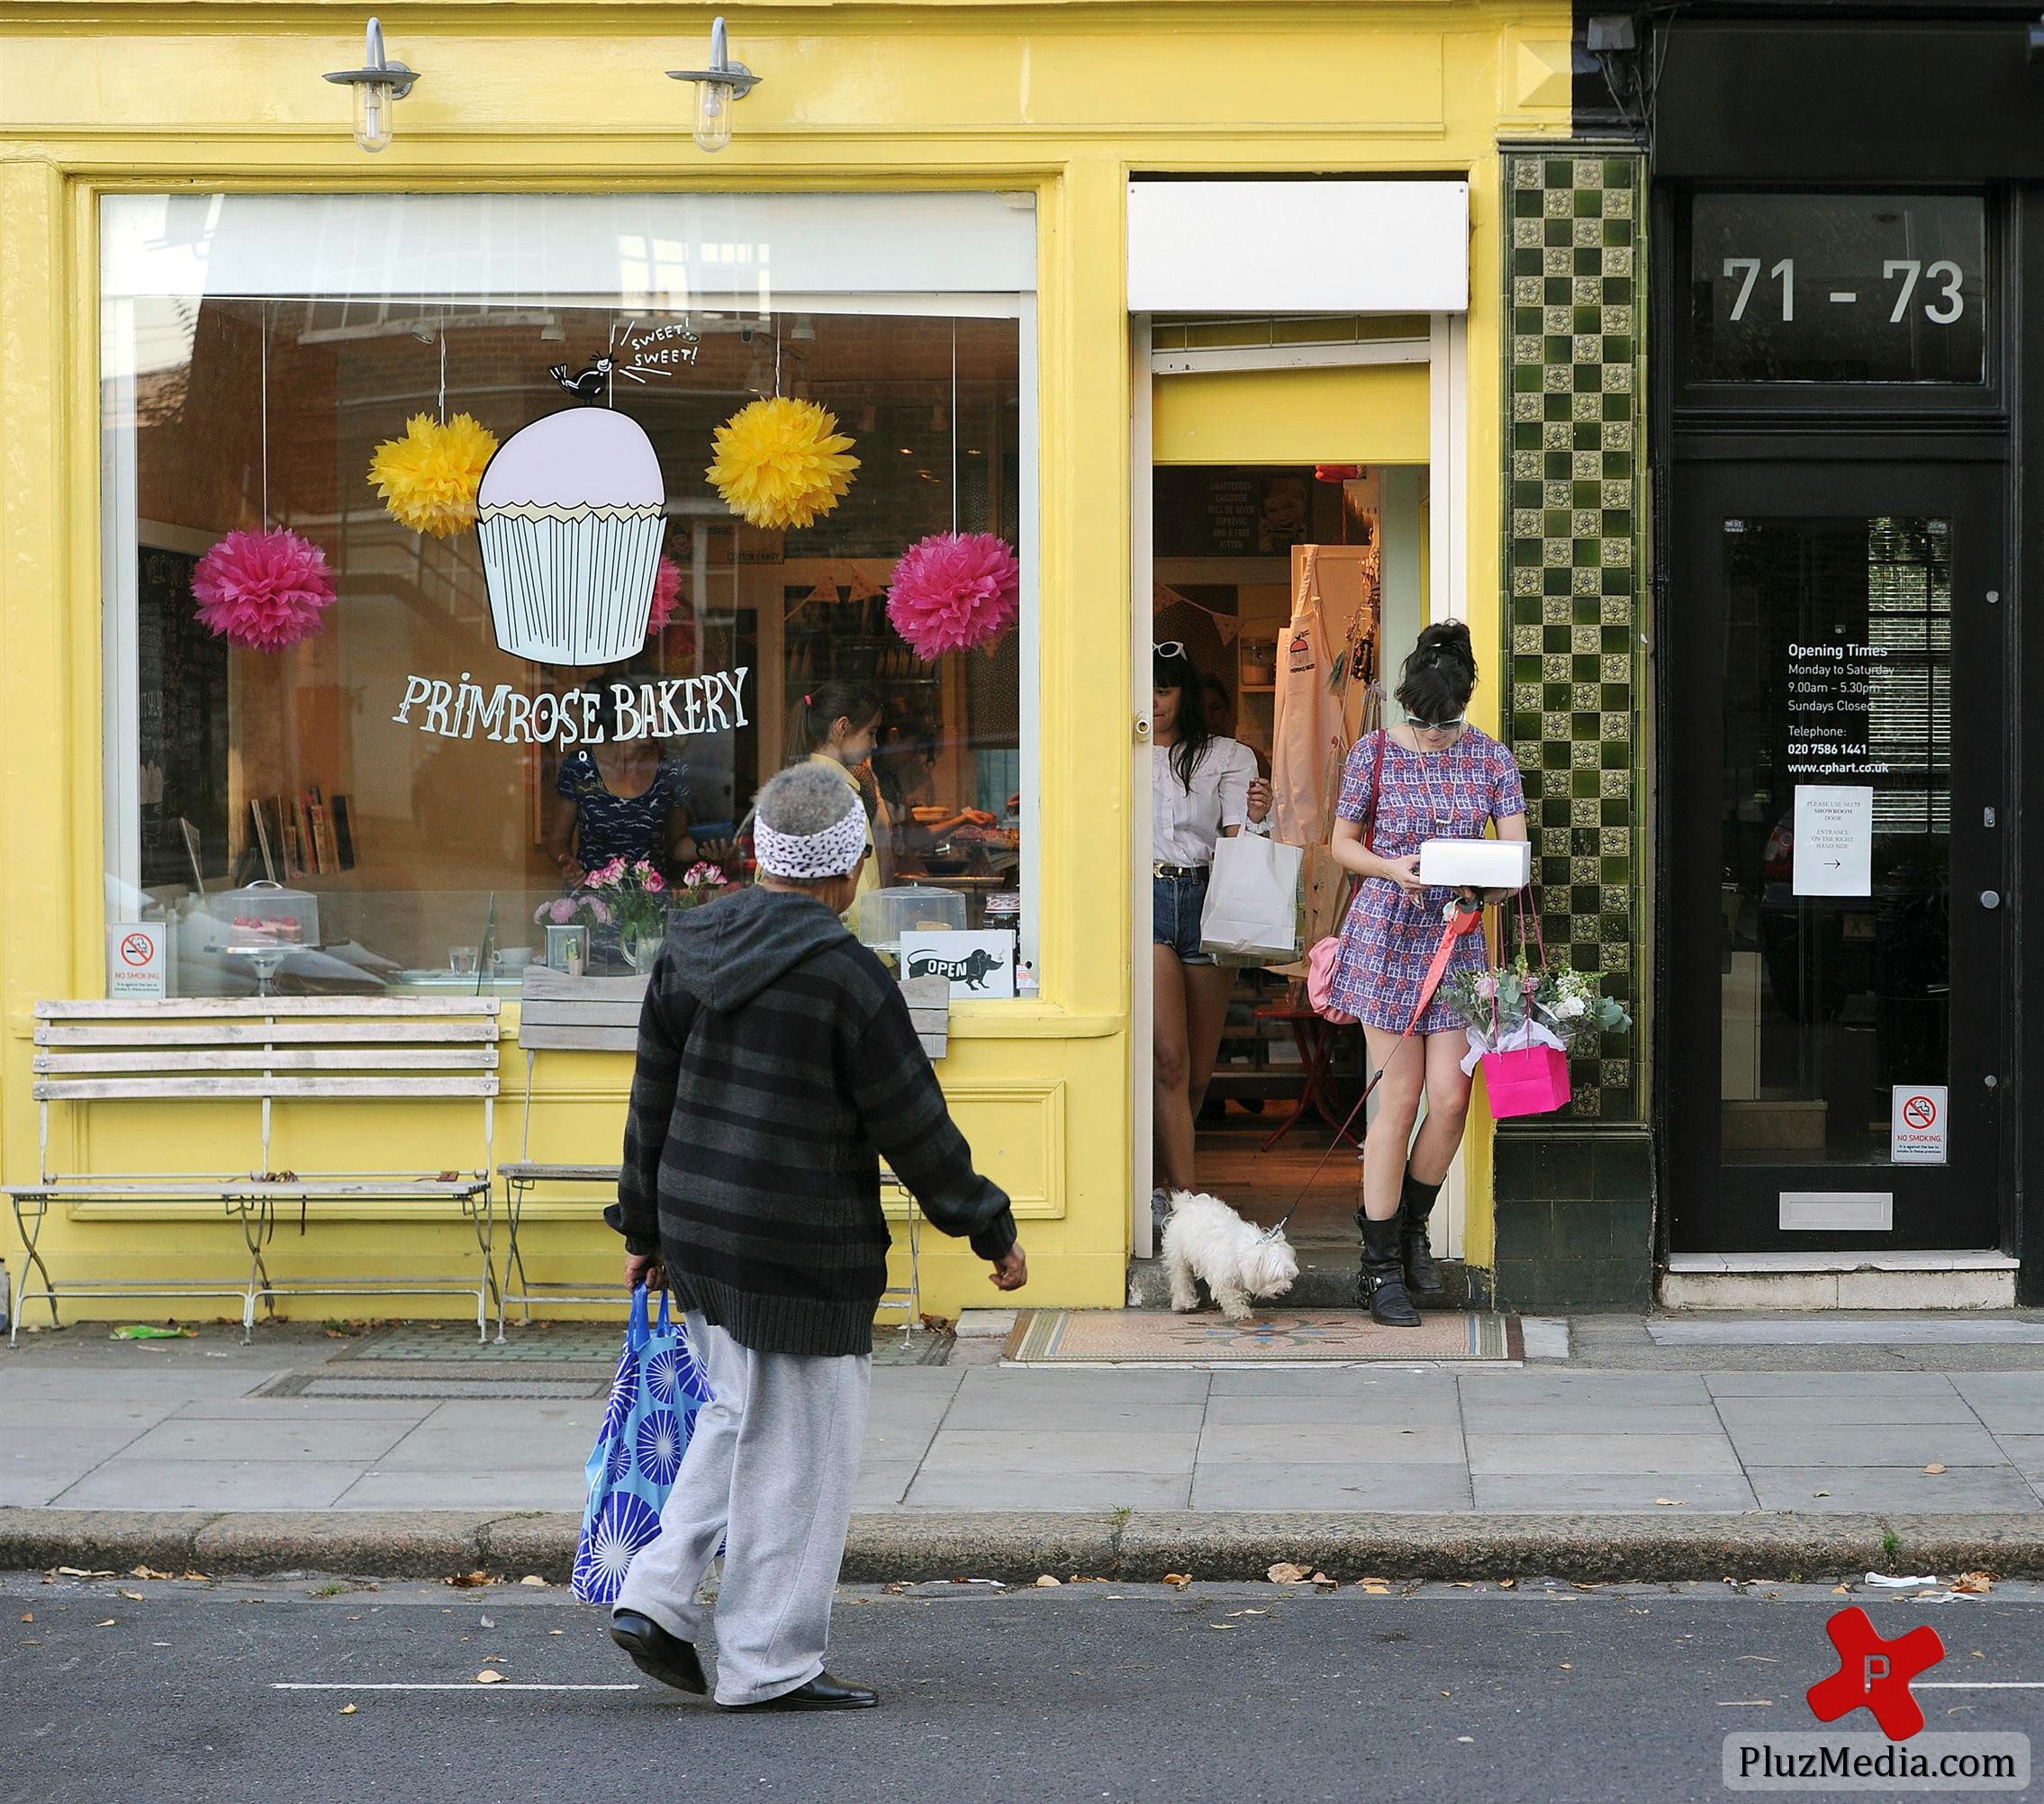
{"x": 777, "y": 1065}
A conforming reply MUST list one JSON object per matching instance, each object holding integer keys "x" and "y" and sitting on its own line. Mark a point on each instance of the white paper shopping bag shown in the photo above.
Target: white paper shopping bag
{"x": 1252, "y": 910}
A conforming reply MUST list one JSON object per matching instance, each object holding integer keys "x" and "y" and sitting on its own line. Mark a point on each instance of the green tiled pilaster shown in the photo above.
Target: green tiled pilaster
{"x": 1575, "y": 547}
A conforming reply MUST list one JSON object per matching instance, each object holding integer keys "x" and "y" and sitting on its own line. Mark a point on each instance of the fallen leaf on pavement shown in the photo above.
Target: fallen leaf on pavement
{"x": 1974, "y": 1582}
{"x": 82, "y": 1572}
{"x": 1842, "y": 1590}
{"x": 1047, "y": 1582}
{"x": 30, "y": 1617}
{"x": 146, "y": 1571}
{"x": 1373, "y": 1587}
{"x": 1323, "y": 1582}
{"x": 134, "y": 1597}
{"x": 1180, "y": 1579}
{"x": 1286, "y": 1573}
{"x": 1820, "y": 1493}
{"x": 1463, "y": 1584}
{"x": 201, "y": 1578}
{"x": 535, "y": 1581}
{"x": 489, "y": 1622}
{"x": 348, "y": 1710}
{"x": 1934, "y": 1466}
{"x": 1249, "y": 1612}
{"x": 469, "y": 1581}
{"x": 1220, "y": 1625}
{"x": 1673, "y": 1502}
{"x": 489, "y": 1676}
{"x": 107, "y": 1624}
{"x": 1506, "y": 1583}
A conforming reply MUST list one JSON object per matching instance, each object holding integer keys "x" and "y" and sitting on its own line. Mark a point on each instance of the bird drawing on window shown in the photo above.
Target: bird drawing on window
{"x": 590, "y": 384}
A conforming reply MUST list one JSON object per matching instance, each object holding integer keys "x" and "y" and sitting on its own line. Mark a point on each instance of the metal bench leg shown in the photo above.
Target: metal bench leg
{"x": 514, "y": 1257}
{"x": 482, "y": 1212}
{"x": 31, "y": 1259}
{"x": 257, "y": 1218}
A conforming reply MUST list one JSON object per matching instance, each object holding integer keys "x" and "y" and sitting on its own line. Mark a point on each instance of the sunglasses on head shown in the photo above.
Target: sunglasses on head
{"x": 1419, "y": 726}
{"x": 1169, "y": 648}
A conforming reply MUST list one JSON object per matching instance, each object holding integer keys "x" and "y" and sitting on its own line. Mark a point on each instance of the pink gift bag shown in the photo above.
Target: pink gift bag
{"x": 1533, "y": 1081}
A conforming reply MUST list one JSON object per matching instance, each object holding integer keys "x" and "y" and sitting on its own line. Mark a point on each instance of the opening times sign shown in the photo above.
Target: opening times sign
{"x": 1830, "y": 710}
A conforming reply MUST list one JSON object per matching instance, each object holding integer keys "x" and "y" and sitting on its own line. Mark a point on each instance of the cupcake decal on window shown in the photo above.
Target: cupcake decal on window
{"x": 570, "y": 515}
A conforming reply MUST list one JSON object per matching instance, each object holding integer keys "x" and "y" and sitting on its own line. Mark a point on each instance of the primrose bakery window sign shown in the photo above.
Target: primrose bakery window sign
{"x": 570, "y": 514}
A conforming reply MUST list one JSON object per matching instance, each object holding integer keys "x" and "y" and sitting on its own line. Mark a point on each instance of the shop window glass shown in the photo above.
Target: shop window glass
{"x": 615, "y": 660}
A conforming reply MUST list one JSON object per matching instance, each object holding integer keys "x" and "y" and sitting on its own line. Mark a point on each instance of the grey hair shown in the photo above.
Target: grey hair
{"x": 805, "y": 800}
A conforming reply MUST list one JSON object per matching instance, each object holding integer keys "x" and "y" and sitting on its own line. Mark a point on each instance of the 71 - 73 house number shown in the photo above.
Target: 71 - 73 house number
{"x": 1945, "y": 275}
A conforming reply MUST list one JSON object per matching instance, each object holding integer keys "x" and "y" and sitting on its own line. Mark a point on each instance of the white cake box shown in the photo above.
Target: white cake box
{"x": 1475, "y": 863}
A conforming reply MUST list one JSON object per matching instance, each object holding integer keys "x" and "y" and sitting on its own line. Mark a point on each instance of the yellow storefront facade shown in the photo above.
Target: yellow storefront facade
{"x": 1037, "y": 127}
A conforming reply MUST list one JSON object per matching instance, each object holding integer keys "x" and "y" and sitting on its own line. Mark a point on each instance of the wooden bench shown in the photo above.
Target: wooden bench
{"x": 208, "y": 1051}
{"x": 561, "y": 1014}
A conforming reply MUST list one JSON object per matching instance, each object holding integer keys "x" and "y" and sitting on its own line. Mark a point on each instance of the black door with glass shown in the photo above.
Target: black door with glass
{"x": 1837, "y": 737}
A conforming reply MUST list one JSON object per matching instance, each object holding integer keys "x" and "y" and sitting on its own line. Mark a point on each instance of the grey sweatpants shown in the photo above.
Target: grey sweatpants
{"x": 769, "y": 1471}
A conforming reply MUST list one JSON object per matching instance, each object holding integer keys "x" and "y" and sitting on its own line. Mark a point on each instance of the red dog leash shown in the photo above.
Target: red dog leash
{"x": 1464, "y": 918}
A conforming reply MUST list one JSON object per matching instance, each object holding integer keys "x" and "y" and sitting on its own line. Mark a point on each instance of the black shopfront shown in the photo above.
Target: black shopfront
{"x": 1848, "y": 404}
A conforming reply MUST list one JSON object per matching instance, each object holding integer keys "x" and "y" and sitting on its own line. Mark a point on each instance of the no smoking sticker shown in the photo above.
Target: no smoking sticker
{"x": 135, "y": 961}
{"x": 1917, "y": 1133}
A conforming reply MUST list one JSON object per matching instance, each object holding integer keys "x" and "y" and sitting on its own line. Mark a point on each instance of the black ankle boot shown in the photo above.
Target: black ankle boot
{"x": 1381, "y": 1287}
{"x": 1422, "y": 1277}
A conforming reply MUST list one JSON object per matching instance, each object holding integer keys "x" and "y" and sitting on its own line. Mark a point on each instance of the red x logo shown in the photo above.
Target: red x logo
{"x": 1874, "y": 1674}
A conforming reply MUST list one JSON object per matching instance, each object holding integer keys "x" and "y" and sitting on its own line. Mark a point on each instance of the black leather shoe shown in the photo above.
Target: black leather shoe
{"x": 657, "y": 1654}
{"x": 822, "y": 1694}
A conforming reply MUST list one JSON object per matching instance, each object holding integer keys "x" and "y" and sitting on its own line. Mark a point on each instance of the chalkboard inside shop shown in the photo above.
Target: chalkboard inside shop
{"x": 181, "y": 680}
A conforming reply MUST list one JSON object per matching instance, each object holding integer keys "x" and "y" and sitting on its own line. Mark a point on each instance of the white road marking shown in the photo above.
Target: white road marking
{"x": 1976, "y": 1685}
{"x": 470, "y": 1685}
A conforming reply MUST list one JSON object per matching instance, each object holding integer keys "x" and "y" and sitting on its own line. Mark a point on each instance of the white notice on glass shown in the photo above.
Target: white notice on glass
{"x": 1834, "y": 840}
{"x": 1916, "y": 1124}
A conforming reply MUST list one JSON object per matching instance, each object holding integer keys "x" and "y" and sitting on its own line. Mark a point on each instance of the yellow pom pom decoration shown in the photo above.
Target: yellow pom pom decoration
{"x": 782, "y": 463}
{"x": 429, "y": 478}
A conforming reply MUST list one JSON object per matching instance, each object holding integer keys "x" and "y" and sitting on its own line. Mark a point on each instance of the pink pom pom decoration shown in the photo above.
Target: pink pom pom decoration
{"x": 954, "y": 592}
{"x": 263, "y": 591}
{"x": 667, "y": 595}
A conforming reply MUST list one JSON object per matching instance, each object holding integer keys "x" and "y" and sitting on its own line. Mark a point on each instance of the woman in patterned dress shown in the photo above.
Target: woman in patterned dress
{"x": 1434, "y": 777}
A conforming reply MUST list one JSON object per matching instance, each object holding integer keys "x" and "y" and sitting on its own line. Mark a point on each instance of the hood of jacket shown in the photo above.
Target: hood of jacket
{"x": 725, "y": 953}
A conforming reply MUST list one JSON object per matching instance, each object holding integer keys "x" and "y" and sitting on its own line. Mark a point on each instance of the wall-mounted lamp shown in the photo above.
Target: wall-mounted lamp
{"x": 378, "y": 85}
{"x": 717, "y": 88}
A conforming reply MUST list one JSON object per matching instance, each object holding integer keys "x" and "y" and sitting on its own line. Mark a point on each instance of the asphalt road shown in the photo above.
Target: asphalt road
{"x": 1543, "y": 1693}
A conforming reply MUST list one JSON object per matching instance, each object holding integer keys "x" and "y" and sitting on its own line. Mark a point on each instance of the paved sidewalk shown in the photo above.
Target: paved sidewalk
{"x": 1871, "y": 1431}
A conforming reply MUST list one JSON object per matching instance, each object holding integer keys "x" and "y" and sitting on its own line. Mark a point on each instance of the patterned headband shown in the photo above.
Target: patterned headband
{"x": 833, "y": 852}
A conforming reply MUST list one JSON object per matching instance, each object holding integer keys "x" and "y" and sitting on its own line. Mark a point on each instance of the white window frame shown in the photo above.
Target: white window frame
{"x": 122, "y": 532}
{"x": 1446, "y": 353}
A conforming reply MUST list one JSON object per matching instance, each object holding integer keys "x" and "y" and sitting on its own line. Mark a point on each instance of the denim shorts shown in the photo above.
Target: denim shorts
{"x": 1175, "y": 908}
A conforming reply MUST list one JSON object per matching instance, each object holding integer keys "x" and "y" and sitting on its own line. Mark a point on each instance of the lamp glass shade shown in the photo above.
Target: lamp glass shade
{"x": 374, "y": 104}
{"x": 713, "y": 101}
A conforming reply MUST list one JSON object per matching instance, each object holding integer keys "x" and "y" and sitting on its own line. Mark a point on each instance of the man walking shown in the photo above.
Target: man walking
{"x": 777, "y": 1065}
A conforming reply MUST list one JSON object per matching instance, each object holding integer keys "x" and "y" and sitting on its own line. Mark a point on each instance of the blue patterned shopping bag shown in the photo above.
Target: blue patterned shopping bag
{"x": 653, "y": 1399}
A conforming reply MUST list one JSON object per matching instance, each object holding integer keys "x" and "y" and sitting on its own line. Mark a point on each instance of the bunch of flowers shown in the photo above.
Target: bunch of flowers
{"x": 571, "y": 911}
{"x": 1507, "y": 1007}
{"x": 701, "y": 882}
{"x": 636, "y": 893}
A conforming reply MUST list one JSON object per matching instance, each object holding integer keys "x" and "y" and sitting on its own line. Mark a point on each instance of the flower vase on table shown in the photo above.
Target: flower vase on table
{"x": 638, "y": 897}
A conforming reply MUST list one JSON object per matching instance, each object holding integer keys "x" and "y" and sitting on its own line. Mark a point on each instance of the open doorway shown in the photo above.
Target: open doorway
{"x": 1241, "y": 554}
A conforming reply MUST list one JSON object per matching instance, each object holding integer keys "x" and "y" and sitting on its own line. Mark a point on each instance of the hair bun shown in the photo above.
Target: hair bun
{"x": 1447, "y": 639}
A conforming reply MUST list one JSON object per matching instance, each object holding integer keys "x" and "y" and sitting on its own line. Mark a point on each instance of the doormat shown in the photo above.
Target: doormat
{"x": 1331, "y": 1337}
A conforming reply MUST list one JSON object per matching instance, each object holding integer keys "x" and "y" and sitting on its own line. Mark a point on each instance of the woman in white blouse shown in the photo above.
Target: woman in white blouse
{"x": 1203, "y": 789}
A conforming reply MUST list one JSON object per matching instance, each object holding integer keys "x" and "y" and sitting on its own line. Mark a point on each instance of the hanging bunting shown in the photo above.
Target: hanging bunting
{"x": 1228, "y": 626}
{"x": 782, "y": 463}
{"x": 263, "y": 591}
{"x": 428, "y": 478}
{"x": 954, "y": 592}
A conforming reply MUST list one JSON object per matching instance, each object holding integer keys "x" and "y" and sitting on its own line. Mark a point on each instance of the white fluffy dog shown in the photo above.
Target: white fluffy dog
{"x": 1206, "y": 1238}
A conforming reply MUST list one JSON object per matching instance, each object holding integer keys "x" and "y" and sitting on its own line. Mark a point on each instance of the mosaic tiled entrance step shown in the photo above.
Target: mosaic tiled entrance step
{"x": 1320, "y": 1336}
{"x": 569, "y": 1350}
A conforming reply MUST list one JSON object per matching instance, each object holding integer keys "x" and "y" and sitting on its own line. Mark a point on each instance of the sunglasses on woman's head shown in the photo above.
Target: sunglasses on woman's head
{"x": 1168, "y": 649}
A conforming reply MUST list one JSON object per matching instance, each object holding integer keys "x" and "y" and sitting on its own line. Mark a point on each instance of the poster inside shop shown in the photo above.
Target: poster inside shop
{"x": 1834, "y": 840}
